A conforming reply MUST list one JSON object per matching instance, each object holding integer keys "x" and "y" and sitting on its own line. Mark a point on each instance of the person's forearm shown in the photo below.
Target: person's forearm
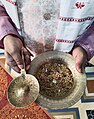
{"x": 87, "y": 42}
{"x": 6, "y": 26}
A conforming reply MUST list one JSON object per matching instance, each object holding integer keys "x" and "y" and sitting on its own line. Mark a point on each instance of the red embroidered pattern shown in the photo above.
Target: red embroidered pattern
{"x": 75, "y": 19}
{"x": 65, "y": 41}
{"x": 14, "y": 3}
{"x": 80, "y": 5}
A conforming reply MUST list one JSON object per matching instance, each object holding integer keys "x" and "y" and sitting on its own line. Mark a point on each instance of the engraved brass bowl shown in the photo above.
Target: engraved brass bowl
{"x": 78, "y": 78}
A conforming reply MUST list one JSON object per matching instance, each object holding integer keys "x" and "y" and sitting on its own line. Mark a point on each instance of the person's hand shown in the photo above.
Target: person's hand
{"x": 13, "y": 46}
{"x": 80, "y": 57}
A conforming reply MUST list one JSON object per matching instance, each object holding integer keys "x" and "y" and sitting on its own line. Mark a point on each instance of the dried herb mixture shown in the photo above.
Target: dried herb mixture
{"x": 55, "y": 79}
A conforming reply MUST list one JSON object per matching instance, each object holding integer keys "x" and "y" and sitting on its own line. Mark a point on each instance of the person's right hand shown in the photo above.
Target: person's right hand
{"x": 13, "y": 46}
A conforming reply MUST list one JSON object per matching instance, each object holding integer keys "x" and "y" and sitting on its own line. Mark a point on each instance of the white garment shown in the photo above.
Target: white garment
{"x": 74, "y": 19}
{"x": 79, "y": 14}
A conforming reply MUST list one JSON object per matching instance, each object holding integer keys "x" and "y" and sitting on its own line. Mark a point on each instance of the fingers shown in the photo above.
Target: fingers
{"x": 80, "y": 59}
{"x": 79, "y": 63}
{"x": 15, "y": 60}
{"x": 17, "y": 57}
{"x": 27, "y": 58}
{"x": 11, "y": 62}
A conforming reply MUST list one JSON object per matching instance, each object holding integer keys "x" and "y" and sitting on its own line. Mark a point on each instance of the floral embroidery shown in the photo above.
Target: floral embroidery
{"x": 80, "y": 5}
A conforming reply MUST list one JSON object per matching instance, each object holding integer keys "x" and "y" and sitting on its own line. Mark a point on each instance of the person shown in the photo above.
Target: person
{"x": 38, "y": 21}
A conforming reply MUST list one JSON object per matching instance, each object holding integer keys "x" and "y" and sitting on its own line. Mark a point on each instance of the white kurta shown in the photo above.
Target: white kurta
{"x": 75, "y": 18}
{"x": 51, "y": 24}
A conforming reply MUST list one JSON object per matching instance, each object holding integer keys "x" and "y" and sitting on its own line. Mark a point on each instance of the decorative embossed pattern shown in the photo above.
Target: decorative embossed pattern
{"x": 8, "y": 111}
{"x": 38, "y": 20}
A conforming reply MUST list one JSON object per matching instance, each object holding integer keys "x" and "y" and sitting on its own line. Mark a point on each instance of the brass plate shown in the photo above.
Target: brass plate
{"x": 79, "y": 80}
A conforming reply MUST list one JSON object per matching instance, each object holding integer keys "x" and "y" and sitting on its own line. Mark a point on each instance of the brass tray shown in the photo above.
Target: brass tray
{"x": 79, "y": 80}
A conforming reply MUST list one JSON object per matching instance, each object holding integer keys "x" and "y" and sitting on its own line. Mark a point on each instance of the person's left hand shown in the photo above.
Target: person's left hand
{"x": 80, "y": 57}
